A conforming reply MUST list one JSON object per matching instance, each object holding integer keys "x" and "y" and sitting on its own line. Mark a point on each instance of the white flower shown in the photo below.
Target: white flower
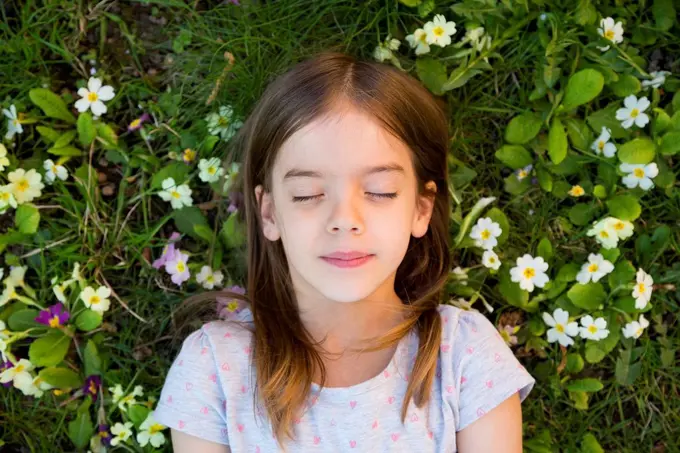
{"x": 25, "y": 185}
{"x": 530, "y": 272}
{"x": 18, "y": 374}
{"x": 121, "y": 433}
{"x": 150, "y": 432}
{"x": 383, "y": 51}
{"x": 36, "y": 387}
{"x": 8, "y": 293}
{"x": 643, "y": 289}
{"x": 490, "y": 260}
{"x": 177, "y": 268}
{"x": 4, "y": 161}
{"x": 485, "y": 233}
{"x": 418, "y": 40}
{"x": 562, "y": 330}
{"x": 610, "y": 31}
{"x": 524, "y": 172}
{"x": 658, "y": 79}
{"x": 632, "y": 112}
{"x": 596, "y": 268}
{"x": 222, "y": 123}
{"x": 576, "y": 191}
{"x": 604, "y": 234}
{"x": 594, "y": 330}
{"x": 54, "y": 171}
{"x": 13, "y": 124}
{"x": 210, "y": 169}
{"x": 439, "y": 31}
{"x": 460, "y": 275}
{"x": 16, "y": 276}
{"x": 602, "y": 145}
{"x": 59, "y": 289}
{"x": 639, "y": 175}
{"x": 208, "y": 278}
{"x": 96, "y": 300}
{"x": 125, "y": 401}
{"x": 7, "y": 198}
{"x": 623, "y": 228}
{"x": 477, "y": 39}
{"x": 178, "y": 196}
{"x": 93, "y": 95}
{"x": 635, "y": 328}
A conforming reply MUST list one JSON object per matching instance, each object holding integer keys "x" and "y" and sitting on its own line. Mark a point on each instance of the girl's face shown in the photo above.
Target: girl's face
{"x": 344, "y": 184}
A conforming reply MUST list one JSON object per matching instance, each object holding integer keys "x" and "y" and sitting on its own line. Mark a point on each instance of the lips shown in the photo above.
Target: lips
{"x": 346, "y": 256}
{"x": 348, "y": 259}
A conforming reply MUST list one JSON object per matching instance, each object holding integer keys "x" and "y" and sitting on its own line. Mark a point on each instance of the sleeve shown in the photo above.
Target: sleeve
{"x": 192, "y": 400}
{"x": 486, "y": 369}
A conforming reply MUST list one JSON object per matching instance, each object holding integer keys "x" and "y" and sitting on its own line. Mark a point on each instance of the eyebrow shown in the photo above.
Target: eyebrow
{"x": 299, "y": 173}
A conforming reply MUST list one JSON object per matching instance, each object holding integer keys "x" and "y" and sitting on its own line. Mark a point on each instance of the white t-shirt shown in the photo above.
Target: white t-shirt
{"x": 208, "y": 393}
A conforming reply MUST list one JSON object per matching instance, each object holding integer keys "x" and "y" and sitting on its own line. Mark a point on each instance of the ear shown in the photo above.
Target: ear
{"x": 424, "y": 208}
{"x": 265, "y": 203}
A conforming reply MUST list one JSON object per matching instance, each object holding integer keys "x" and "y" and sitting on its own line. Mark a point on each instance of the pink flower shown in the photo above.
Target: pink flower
{"x": 228, "y": 308}
{"x": 137, "y": 123}
{"x": 168, "y": 251}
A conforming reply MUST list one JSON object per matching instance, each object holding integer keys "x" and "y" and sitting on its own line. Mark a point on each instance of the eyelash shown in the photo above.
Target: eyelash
{"x": 376, "y": 195}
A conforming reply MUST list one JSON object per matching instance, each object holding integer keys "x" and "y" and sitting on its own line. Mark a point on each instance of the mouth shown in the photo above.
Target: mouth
{"x": 348, "y": 260}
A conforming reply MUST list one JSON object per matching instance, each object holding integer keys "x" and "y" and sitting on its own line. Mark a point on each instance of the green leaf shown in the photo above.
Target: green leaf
{"x": 625, "y": 372}
{"x": 514, "y": 156}
{"x": 27, "y": 218}
{"x": 93, "y": 363}
{"x": 623, "y": 274}
{"x": 581, "y": 214}
{"x": 107, "y": 135}
{"x": 176, "y": 170}
{"x": 233, "y": 232}
{"x": 624, "y": 207}
{"x": 64, "y": 139}
{"x": 86, "y": 129}
{"x": 585, "y": 385}
{"x": 600, "y": 191}
{"x": 51, "y": 104}
{"x": 432, "y": 73}
{"x": 187, "y": 218}
{"x": 545, "y": 249}
{"x": 610, "y": 255}
{"x": 588, "y": 296}
{"x": 460, "y": 77}
{"x": 626, "y": 85}
{"x": 580, "y": 135}
{"x": 88, "y": 320}
{"x": 61, "y": 378}
{"x": 664, "y": 14}
{"x": 511, "y": 291}
{"x": 411, "y": 3}
{"x": 637, "y": 151}
{"x": 661, "y": 122}
{"x": 585, "y": 13}
{"x": 670, "y": 143}
{"x": 574, "y": 363}
{"x": 557, "y": 142}
{"x": 523, "y": 128}
{"x": 65, "y": 151}
{"x": 606, "y": 117}
{"x": 594, "y": 354}
{"x": 582, "y": 87}
{"x": 22, "y": 320}
{"x": 580, "y": 400}
{"x": 568, "y": 272}
{"x": 590, "y": 445}
{"x": 138, "y": 414}
{"x": 545, "y": 179}
{"x": 80, "y": 430}
{"x": 48, "y": 134}
{"x": 501, "y": 219}
{"x": 50, "y": 349}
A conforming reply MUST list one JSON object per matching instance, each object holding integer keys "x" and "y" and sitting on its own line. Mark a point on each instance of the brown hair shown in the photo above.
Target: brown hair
{"x": 285, "y": 356}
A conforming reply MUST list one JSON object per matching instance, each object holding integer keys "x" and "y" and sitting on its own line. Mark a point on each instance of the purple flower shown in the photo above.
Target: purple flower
{"x": 54, "y": 316}
{"x": 104, "y": 434}
{"x": 228, "y": 308}
{"x": 236, "y": 201}
{"x": 168, "y": 251}
{"x": 5, "y": 365}
{"x": 137, "y": 123}
{"x": 91, "y": 386}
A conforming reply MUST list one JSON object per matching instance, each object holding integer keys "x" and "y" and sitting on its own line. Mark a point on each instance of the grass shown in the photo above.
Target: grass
{"x": 146, "y": 47}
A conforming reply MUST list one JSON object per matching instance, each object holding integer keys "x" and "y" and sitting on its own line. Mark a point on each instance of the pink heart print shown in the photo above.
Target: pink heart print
{"x": 189, "y": 386}
{"x": 463, "y": 380}
{"x": 204, "y": 410}
{"x": 181, "y": 362}
{"x": 446, "y": 347}
{"x": 204, "y": 351}
{"x": 317, "y": 440}
{"x": 225, "y": 366}
{"x": 244, "y": 389}
{"x": 224, "y": 432}
{"x": 332, "y": 422}
{"x": 450, "y": 388}
{"x": 375, "y": 424}
{"x": 395, "y": 437}
{"x": 497, "y": 357}
{"x": 257, "y": 449}
{"x": 480, "y": 412}
{"x": 469, "y": 349}
{"x": 430, "y": 434}
{"x": 240, "y": 427}
{"x": 446, "y": 319}
{"x": 247, "y": 349}
{"x": 386, "y": 373}
{"x": 352, "y": 443}
{"x": 352, "y": 404}
{"x": 489, "y": 384}
{"x": 414, "y": 418}
{"x": 390, "y": 400}
{"x": 227, "y": 335}
{"x": 169, "y": 399}
{"x": 182, "y": 424}
{"x": 213, "y": 377}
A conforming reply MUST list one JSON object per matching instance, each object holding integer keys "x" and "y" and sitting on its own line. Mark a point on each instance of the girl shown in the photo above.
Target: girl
{"x": 343, "y": 344}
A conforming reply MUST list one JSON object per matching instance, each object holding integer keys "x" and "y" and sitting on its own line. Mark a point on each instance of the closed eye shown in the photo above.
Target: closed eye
{"x": 374, "y": 195}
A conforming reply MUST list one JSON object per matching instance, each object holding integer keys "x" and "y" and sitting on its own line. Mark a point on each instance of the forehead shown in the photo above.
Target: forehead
{"x": 342, "y": 144}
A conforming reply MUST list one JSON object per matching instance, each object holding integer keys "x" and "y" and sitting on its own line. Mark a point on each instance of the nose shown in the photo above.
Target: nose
{"x": 346, "y": 215}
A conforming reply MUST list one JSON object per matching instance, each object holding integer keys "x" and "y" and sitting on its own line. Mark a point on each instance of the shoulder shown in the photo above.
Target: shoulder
{"x": 220, "y": 336}
{"x": 459, "y": 325}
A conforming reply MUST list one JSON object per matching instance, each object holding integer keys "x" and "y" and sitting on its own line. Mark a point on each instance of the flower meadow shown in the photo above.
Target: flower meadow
{"x": 116, "y": 203}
